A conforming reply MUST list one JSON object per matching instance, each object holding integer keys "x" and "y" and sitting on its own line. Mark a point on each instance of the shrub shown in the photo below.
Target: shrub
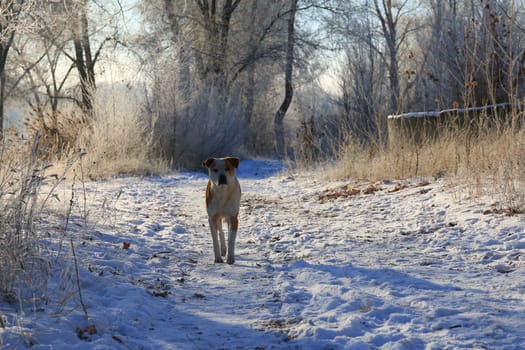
{"x": 58, "y": 131}
{"x": 210, "y": 127}
{"x": 116, "y": 137}
{"x": 119, "y": 139}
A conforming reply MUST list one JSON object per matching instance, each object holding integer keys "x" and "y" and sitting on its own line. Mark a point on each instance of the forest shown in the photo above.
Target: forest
{"x": 109, "y": 107}
{"x": 178, "y": 80}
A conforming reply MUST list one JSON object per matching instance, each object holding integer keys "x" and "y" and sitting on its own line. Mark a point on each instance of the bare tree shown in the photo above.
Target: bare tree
{"x": 364, "y": 89}
{"x": 226, "y": 52}
{"x": 12, "y": 14}
{"x": 223, "y": 52}
{"x": 70, "y": 34}
{"x": 395, "y": 33}
{"x": 83, "y": 59}
{"x": 40, "y": 59}
{"x": 215, "y": 22}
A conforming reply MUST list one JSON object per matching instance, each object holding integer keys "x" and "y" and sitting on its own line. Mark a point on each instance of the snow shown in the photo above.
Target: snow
{"x": 434, "y": 114}
{"x": 320, "y": 265}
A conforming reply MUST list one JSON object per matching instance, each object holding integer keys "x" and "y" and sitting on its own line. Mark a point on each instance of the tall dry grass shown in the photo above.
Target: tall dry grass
{"x": 58, "y": 131}
{"x": 119, "y": 139}
{"x": 491, "y": 159}
{"x": 23, "y": 269}
{"x": 37, "y": 239}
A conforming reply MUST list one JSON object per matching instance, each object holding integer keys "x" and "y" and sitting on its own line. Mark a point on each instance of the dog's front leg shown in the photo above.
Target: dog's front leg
{"x": 232, "y": 234}
{"x": 222, "y": 240}
{"x": 214, "y": 225}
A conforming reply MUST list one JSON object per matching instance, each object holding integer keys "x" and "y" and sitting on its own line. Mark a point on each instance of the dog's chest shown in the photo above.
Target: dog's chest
{"x": 224, "y": 200}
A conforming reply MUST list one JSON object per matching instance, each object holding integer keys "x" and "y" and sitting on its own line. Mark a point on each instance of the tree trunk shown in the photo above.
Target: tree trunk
{"x": 83, "y": 59}
{"x": 2, "y": 87}
{"x": 5, "y": 45}
{"x": 250, "y": 74}
{"x": 389, "y": 26}
{"x": 217, "y": 26}
{"x": 288, "y": 86}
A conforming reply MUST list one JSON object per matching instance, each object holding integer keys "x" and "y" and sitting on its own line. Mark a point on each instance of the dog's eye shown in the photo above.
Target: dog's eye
{"x": 215, "y": 170}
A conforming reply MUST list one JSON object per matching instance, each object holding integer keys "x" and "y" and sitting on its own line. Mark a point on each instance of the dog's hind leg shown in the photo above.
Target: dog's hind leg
{"x": 222, "y": 239}
{"x": 214, "y": 225}
{"x": 232, "y": 235}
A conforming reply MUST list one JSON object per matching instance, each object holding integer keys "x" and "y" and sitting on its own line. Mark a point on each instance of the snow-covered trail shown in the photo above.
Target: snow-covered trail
{"x": 196, "y": 304}
{"x": 318, "y": 266}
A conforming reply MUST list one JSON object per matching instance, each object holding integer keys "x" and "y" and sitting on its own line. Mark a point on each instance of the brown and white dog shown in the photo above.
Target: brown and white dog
{"x": 223, "y": 197}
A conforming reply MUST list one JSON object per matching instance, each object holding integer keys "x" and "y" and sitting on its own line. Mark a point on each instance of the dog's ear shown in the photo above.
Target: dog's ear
{"x": 233, "y": 161}
{"x": 208, "y": 162}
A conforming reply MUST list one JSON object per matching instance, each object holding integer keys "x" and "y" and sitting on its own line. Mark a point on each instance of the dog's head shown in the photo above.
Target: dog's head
{"x": 221, "y": 170}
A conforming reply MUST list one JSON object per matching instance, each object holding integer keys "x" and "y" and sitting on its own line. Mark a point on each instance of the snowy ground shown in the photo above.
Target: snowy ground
{"x": 319, "y": 265}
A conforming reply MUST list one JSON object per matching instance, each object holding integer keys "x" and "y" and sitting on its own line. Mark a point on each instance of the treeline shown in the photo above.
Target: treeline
{"x": 428, "y": 55}
{"x": 243, "y": 76}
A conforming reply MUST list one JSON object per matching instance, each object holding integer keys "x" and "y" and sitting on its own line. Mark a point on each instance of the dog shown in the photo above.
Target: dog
{"x": 223, "y": 198}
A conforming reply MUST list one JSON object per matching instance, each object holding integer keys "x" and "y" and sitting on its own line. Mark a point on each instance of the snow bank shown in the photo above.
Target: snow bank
{"x": 452, "y": 111}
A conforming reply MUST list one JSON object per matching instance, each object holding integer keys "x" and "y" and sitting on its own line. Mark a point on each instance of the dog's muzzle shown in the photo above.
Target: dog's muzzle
{"x": 222, "y": 180}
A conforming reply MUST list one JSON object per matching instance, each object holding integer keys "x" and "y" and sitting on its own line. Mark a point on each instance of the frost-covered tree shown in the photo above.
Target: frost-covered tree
{"x": 57, "y": 59}
{"x": 13, "y": 19}
{"x": 227, "y": 57}
{"x": 475, "y": 51}
{"x": 373, "y": 37}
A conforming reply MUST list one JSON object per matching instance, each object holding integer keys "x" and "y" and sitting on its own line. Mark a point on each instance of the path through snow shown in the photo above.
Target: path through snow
{"x": 319, "y": 266}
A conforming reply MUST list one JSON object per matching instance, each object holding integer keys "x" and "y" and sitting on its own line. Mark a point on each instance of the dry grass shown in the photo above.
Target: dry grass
{"x": 33, "y": 233}
{"x": 23, "y": 270}
{"x": 119, "y": 141}
{"x": 491, "y": 160}
{"x": 59, "y": 132}
{"x": 116, "y": 141}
